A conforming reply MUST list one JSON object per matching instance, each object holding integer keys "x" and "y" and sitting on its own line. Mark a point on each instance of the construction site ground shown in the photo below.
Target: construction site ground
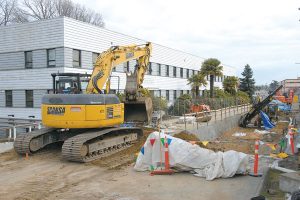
{"x": 45, "y": 175}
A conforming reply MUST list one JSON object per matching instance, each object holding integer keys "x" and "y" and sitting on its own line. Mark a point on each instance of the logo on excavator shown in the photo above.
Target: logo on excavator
{"x": 56, "y": 110}
{"x": 129, "y": 55}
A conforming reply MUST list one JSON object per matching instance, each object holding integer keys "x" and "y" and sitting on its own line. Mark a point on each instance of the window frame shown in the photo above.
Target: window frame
{"x": 150, "y": 68}
{"x": 28, "y": 63}
{"x": 174, "y": 95}
{"x": 174, "y": 72}
{"x": 187, "y": 73}
{"x": 79, "y": 58}
{"x": 6, "y": 98}
{"x": 159, "y": 69}
{"x": 29, "y": 103}
{"x": 167, "y": 70}
{"x": 167, "y": 95}
{"x": 48, "y": 59}
{"x": 181, "y": 72}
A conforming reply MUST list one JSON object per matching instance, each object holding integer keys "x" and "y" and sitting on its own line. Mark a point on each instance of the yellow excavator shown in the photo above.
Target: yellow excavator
{"x": 88, "y": 121}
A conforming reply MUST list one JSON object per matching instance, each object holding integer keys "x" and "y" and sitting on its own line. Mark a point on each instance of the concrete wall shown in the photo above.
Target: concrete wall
{"x": 214, "y": 130}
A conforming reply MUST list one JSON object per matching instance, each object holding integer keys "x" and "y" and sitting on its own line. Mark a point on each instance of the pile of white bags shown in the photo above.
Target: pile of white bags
{"x": 184, "y": 156}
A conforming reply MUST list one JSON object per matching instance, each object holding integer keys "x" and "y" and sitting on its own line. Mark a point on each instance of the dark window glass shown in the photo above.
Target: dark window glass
{"x": 150, "y": 68}
{"x": 76, "y": 58}
{"x": 181, "y": 72}
{"x": 194, "y": 72}
{"x": 127, "y": 67}
{"x": 187, "y": 73}
{"x": 159, "y": 93}
{"x": 94, "y": 58}
{"x": 8, "y": 98}
{"x": 51, "y": 57}
{"x": 29, "y": 98}
{"x": 159, "y": 69}
{"x": 167, "y": 70}
{"x": 188, "y": 92}
{"x": 181, "y": 92}
{"x": 167, "y": 95}
{"x": 174, "y": 71}
{"x": 28, "y": 59}
{"x": 174, "y": 95}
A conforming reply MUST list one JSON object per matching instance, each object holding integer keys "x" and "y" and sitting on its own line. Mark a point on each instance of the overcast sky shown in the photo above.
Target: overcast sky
{"x": 262, "y": 33}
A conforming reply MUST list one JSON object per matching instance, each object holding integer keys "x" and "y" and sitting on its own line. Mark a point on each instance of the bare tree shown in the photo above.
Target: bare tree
{"x": 64, "y": 8}
{"x": 20, "y": 16}
{"x": 46, "y": 9}
{"x": 7, "y": 9}
{"x": 39, "y": 9}
{"x": 97, "y": 20}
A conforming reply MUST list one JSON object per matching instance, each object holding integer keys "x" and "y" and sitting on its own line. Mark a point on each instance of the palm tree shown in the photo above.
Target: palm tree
{"x": 196, "y": 81}
{"x": 211, "y": 67}
{"x": 230, "y": 84}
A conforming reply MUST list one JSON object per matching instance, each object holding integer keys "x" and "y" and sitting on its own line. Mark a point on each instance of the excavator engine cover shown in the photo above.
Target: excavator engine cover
{"x": 138, "y": 111}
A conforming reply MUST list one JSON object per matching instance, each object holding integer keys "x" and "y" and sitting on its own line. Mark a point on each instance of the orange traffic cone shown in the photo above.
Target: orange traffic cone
{"x": 167, "y": 169}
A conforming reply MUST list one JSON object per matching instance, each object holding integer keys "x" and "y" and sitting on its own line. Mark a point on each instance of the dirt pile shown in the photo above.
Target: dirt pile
{"x": 186, "y": 136}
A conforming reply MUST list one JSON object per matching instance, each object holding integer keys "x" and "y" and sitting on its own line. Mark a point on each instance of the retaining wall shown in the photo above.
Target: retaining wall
{"x": 215, "y": 129}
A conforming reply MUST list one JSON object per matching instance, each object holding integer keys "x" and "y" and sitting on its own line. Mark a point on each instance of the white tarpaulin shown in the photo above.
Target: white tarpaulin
{"x": 184, "y": 156}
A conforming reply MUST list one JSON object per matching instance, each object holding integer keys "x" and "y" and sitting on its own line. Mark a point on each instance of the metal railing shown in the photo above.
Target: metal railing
{"x": 10, "y": 125}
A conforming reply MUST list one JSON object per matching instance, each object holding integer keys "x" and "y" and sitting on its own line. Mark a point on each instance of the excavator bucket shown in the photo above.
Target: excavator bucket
{"x": 138, "y": 111}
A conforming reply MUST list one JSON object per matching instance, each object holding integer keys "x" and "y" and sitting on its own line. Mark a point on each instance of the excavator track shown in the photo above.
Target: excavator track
{"x": 94, "y": 145}
{"x": 23, "y": 141}
{"x": 33, "y": 141}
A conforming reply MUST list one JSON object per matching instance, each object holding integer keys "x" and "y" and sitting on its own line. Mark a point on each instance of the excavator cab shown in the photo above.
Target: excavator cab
{"x": 69, "y": 83}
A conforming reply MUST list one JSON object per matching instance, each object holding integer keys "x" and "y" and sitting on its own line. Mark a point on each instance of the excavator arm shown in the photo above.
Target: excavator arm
{"x": 114, "y": 56}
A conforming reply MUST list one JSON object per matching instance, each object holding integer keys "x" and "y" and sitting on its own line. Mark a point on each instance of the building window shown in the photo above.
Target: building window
{"x": 167, "y": 95}
{"x": 76, "y": 58}
{"x": 174, "y": 71}
{"x": 159, "y": 93}
{"x": 174, "y": 95}
{"x": 126, "y": 68}
{"x": 181, "y": 72}
{"x": 159, "y": 69}
{"x": 8, "y": 98}
{"x": 29, "y": 98}
{"x": 167, "y": 70}
{"x": 94, "y": 57}
{"x": 28, "y": 59}
{"x": 181, "y": 92}
{"x": 51, "y": 57}
{"x": 194, "y": 72}
{"x": 187, "y": 73}
{"x": 188, "y": 92}
{"x": 150, "y": 68}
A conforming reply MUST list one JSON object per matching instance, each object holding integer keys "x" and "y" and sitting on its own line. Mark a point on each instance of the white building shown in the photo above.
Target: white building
{"x": 30, "y": 52}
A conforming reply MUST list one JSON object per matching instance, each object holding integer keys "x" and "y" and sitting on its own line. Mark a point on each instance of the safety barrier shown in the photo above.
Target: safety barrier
{"x": 11, "y": 124}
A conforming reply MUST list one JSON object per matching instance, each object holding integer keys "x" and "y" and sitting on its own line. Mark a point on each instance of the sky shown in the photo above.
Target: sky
{"x": 262, "y": 33}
